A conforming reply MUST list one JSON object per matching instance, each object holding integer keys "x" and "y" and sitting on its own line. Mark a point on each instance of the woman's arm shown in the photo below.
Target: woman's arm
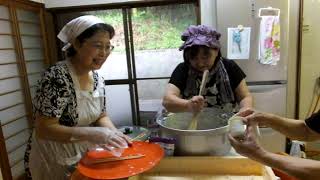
{"x": 48, "y": 128}
{"x": 243, "y": 96}
{"x": 305, "y": 169}
{"x": 172, "y": 101}
{"x": 297, "y": 167}
{"x": 104, "y": 121}
{"x": 292, "y": 128}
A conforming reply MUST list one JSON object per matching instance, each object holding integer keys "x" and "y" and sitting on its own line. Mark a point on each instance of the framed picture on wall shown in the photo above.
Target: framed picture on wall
{"x": 239, "y": 43}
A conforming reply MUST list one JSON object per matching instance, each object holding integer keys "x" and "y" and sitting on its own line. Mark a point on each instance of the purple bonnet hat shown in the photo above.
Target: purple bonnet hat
{"x": 200, "y": 35}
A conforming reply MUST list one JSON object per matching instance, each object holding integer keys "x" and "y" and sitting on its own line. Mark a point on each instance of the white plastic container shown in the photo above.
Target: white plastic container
{"x": 236, "y": 127}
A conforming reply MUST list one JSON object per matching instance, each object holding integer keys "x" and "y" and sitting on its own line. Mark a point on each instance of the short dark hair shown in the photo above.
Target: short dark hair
{"x": 191, "y": 52}
{"x": 89, "y": 33}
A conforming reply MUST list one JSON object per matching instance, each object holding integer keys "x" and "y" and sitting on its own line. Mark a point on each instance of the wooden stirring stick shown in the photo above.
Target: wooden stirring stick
{"x": 194, "y": 121}
{"x": 112, "y": 159}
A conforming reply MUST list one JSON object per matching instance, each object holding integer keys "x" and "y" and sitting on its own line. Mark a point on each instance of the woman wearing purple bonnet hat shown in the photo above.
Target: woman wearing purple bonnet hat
{"x": 226, "y": 86}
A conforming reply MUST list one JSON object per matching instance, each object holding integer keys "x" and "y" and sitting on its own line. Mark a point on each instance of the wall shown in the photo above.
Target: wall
{"x": 293, "y": 12}
{"x": 240, "y": 12}
{"x": 208, "y": 12}
{"x": 310, "y": 65}
{"x": 310, "y": 57}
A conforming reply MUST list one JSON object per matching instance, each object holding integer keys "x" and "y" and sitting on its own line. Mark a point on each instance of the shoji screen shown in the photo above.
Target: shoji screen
{"x": 22, "y": 57}
{"x": 14, "y": 122}
{"x": 32, "y": 45}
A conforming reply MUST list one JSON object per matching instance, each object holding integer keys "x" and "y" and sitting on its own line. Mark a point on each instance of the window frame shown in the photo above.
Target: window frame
{"x": 126, "y": 8}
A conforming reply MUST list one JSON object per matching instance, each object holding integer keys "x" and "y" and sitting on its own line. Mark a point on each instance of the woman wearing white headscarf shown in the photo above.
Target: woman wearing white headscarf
{"x": 69, "y": 106}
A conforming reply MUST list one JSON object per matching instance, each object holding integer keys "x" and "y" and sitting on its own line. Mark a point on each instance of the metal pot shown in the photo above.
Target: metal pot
{"x": 209, "y": 139}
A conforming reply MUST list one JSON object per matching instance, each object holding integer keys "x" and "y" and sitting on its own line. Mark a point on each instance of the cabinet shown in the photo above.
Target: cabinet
{"x": 23, "y": 57}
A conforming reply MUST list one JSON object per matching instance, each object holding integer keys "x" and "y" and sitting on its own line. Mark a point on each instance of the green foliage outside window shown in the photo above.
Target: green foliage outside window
{"x": 157, "y": 27}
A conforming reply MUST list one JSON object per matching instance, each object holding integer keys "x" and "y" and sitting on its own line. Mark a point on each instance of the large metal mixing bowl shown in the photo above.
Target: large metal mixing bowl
{"x": 209, "y": 139}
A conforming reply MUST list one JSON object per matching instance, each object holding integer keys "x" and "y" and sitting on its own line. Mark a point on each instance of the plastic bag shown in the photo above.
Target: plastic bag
{"x": 167, "y": 144}
{"x": 117, "y": 152}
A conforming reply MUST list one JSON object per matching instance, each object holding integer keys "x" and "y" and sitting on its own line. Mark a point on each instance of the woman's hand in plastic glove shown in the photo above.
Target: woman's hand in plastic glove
{"x": 106, "y": 136}
{"x": 125, "y": 137}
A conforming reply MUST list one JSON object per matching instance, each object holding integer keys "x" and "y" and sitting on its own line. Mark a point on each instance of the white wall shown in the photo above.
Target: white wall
{"x": 208, "y": 13}
{"x": 310, "y": 63}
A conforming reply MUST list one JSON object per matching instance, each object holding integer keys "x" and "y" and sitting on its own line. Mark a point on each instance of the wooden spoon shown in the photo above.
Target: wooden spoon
{"x": 112, "y": 159}
{"x": 194, "y": 121}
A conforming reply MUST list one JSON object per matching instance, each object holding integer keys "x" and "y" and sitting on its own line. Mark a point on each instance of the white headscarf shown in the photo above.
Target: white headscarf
{"x": 75, "y": 27}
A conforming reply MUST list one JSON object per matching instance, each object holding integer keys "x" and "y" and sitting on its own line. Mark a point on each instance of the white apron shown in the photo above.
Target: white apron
{"x": 53, "y": 160}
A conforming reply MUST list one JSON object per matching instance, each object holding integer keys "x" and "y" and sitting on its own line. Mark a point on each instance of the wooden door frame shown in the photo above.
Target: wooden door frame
{"x": 12, "y": 6}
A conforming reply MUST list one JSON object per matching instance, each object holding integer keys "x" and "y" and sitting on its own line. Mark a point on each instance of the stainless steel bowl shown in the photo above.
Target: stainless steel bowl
{"x": 209, "y": 139}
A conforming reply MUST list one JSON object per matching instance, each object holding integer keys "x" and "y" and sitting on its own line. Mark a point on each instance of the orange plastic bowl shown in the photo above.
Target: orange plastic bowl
{"x": 282, "y": 175}
{"x": 153, "y": 153}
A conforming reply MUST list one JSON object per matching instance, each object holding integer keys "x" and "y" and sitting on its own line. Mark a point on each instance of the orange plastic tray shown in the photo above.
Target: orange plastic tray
{"x": 125, "y": 168}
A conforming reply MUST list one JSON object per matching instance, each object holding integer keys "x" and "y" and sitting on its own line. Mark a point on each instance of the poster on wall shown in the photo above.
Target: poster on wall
{"x": 239, "y": 43}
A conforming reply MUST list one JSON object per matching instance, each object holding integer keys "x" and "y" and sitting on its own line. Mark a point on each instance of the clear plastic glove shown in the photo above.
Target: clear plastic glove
{"x": 101, "y": 136}
{"x": 125, "y": 137}
{"x": 112, "y": 147}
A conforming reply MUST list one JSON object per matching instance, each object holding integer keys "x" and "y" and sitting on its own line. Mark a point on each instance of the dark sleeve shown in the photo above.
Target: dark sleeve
{"x": 236, "y": 75}
{"x": 313, "y": 122}
{"x": 179, "y": 76}
{"x": 53, "y": 94}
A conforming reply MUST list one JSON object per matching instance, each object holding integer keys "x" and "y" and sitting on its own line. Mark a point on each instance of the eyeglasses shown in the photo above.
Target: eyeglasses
{"x": 101, "y": 47}
{"x": 111, "y": 47}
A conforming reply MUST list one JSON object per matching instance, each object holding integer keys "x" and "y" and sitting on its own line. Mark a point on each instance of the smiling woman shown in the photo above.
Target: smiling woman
{"x": 69, "y": 104}
{"x": 92, "y": 53}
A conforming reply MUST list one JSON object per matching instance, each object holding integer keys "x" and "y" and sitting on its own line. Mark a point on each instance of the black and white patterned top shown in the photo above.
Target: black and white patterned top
{"x": 56, "y": 96}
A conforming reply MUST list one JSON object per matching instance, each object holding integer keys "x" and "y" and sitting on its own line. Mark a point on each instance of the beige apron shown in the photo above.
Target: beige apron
{"x": 53, "y": 160}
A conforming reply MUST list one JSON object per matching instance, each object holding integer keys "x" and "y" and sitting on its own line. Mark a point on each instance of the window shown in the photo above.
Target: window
{"x": 146, "y": 52}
